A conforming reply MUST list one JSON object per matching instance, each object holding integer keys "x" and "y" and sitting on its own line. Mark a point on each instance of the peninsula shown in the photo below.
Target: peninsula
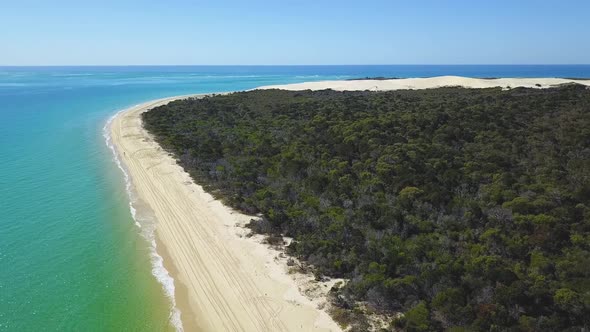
{"x": 230, "y": 280}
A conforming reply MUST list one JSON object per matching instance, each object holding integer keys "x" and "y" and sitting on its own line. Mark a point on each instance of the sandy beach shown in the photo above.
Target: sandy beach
{"x": 226, "y": 281}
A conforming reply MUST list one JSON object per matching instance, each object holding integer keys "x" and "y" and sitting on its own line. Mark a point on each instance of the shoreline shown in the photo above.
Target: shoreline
{"x": 222, "y": 279}
{"x": 144, "y": 220}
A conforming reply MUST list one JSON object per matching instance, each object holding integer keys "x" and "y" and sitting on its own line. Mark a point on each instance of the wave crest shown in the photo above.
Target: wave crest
{"x": 146, "y": 224}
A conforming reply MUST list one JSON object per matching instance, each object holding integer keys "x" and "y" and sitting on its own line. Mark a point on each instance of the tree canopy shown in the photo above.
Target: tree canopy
{"x": 461, "y": 208}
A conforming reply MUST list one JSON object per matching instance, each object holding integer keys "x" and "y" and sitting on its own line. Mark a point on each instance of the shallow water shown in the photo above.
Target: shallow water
{"x": 71, "y": 255}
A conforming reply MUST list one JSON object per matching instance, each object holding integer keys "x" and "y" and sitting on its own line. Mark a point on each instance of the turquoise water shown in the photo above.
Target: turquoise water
{"x": 71, "y": 257}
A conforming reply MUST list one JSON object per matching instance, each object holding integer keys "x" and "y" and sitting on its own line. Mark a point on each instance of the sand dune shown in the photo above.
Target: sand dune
{"x": 427, "y": 83}
{"x": 225, "y": 281}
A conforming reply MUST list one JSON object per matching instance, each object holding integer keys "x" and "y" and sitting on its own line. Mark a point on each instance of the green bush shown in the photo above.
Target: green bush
{"x": 470, "y": 202}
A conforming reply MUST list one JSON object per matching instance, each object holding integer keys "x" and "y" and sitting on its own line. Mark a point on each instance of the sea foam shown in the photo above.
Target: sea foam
{"x": 147, "y": 230}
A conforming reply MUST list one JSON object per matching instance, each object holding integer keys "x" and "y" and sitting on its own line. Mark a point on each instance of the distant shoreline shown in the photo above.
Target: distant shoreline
{"x": 376, "y": 78}
{"x": 384, "y": 78}
{"x": 428, "y": 83}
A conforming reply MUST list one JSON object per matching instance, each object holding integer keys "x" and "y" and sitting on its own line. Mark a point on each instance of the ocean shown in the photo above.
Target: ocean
{"x": 72, "y": 258}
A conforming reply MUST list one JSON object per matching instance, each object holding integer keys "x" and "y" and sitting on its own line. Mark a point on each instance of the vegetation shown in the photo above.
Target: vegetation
{"x": 465, "y": 209}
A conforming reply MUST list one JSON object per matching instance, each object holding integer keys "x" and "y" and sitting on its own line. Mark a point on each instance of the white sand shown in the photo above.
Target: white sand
{"x": 225, "y": 281}
{"x": 427, "y": 83}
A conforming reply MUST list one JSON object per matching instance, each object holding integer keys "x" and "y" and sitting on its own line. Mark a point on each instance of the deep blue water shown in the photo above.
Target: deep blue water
{"x": 564, "y": 71}
{"x": 70, "y": 255}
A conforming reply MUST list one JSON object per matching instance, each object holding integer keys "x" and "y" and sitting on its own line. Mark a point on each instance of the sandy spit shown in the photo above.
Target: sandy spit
{"x": 226, "y": 281}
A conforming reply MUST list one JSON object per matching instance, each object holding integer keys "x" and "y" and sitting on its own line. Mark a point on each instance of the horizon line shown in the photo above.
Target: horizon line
{"x": 295, "y": 65}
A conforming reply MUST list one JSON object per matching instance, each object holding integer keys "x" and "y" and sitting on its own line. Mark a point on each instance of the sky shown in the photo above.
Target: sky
{"x": 284, "y": 32}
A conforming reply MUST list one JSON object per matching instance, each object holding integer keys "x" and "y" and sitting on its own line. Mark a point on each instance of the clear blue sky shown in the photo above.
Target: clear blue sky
{"x": 76, "y": 32}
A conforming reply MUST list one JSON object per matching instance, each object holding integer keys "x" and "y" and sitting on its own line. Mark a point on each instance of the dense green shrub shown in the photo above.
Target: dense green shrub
{"x": 463, "y": 208}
